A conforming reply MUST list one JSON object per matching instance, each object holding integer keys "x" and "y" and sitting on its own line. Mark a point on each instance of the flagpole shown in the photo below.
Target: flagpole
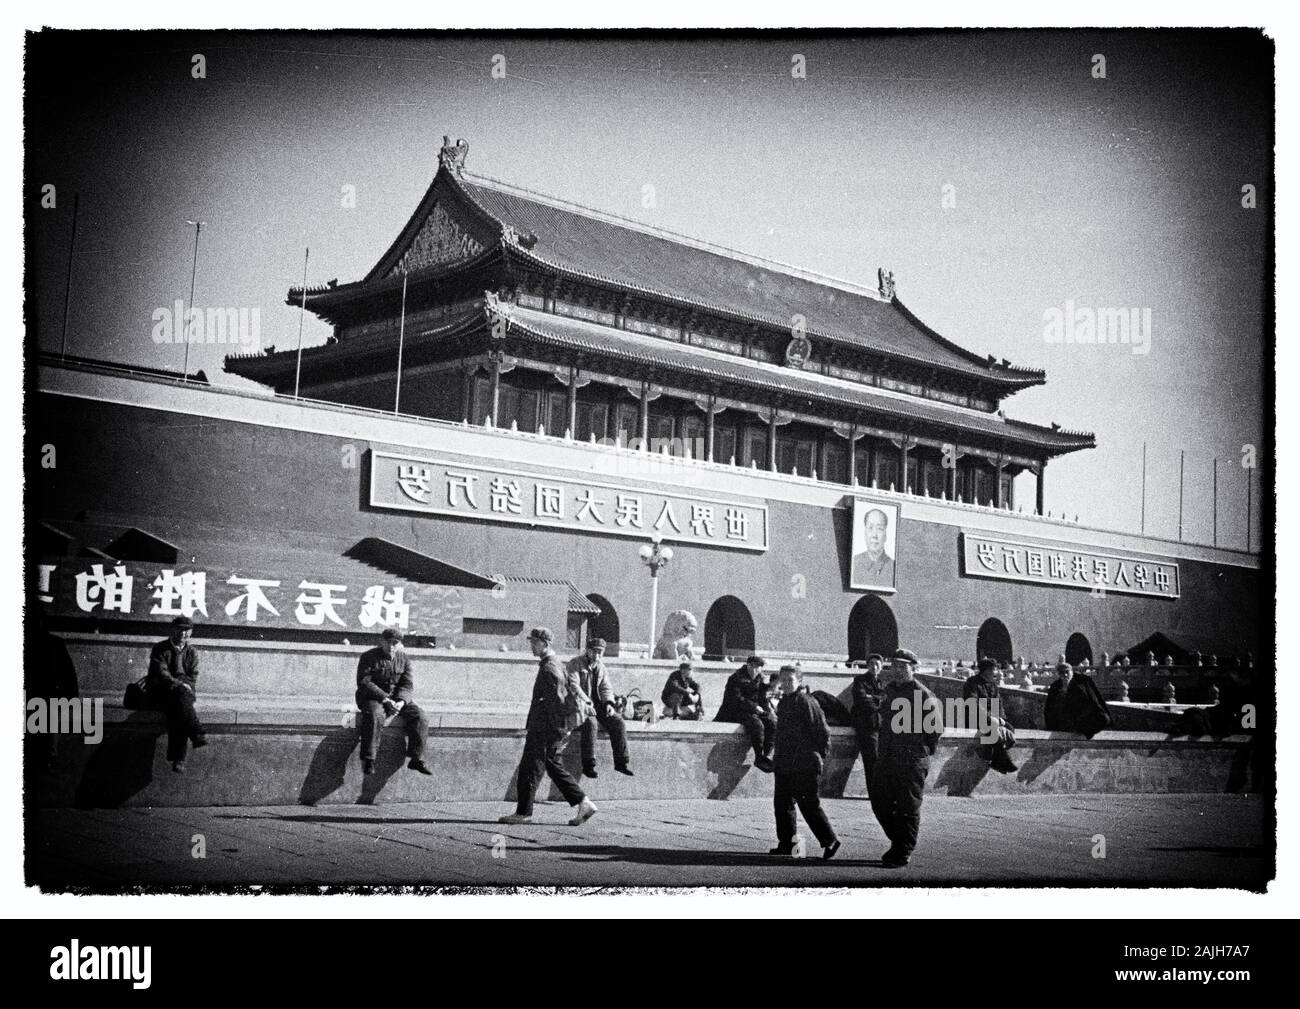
{"x": 1216, "y": 501}
{"x": 302, "y": 314}
{"x": 401, "y": 339}
{"x": 1182, "y": 456}
{"x": 1144, "y": 488}
{"x": 67, "y": 288}
{"x": 1248, "y": 509}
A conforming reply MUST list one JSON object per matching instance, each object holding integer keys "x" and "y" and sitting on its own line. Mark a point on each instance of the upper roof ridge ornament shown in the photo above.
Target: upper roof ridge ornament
{"x": 886, "y": 278}
{"x": 452, "y": 156}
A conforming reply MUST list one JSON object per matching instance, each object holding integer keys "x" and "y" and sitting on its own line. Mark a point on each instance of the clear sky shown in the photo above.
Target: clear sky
{"x": 1115, "y": 192}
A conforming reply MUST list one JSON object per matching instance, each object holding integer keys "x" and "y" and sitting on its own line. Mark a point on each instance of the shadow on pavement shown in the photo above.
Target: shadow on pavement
{"x": 670, "y": 856}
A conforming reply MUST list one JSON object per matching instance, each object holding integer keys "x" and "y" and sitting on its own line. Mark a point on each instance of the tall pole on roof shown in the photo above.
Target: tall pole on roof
{"x": 302, "y": 314}
{"x": 194, "y": 272}
{"x": 401, "y": 339}
{"x": 1182, "y": 457}
{"x": 1216, "y": 501}
{"x": 1144, "y": 488}
{"x": 67, "y": 287}
{"x": 1248, "y": 515}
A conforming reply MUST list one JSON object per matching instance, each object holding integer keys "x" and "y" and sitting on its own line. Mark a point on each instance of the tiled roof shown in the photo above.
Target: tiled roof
{"x": 625, "y": 256}
{"x": 668, "y": 357}
{"x": 578, "y": 603}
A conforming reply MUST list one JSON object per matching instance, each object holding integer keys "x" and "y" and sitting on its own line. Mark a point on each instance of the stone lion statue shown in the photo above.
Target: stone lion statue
{"x": 675, "y": 642}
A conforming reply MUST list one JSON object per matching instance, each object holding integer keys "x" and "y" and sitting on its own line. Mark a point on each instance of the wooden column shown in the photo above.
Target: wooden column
{"x": 771, "y": 440}
{"x": 853, "y": 455}
{"x": 573, "y": 401}
{"x": 1042, "y": 472}
{"x": 645, "y": 416}
{"x": 709, "y": 414}
{"x": 999, "y": 464}
{"x": 902, "y": 465}
{"x": 467, "y": 393}
{"x": 494, "y": 369}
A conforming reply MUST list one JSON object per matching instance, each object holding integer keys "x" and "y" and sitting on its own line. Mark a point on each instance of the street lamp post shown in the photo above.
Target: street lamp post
{"x": 655, "y": 555}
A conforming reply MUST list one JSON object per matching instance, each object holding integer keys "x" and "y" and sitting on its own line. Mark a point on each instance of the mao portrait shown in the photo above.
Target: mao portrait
{"x": 875, "y": 528}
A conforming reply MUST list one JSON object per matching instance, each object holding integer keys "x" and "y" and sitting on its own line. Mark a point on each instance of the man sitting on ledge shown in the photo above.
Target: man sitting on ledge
{"x": 589, "y": 667}
{"x": 744, "y": 700}
{"x": 1074, "y": 704}
{"x": 170, "y": 686}
{"x": 983, "y": 686}
{"x": 385, "y": 687}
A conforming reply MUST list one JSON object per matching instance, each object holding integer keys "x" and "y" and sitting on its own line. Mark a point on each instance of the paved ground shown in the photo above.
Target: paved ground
{"x": 1203, "y": 840}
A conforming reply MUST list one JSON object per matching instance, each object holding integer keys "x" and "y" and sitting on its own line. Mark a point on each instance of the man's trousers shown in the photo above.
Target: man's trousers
{"x": 612, "y": 723}
{"x": 897, "y": 788}
{"x": 542, "y": 753}
{"x": 791, "y": 789}
{"x": 414, "y": 725}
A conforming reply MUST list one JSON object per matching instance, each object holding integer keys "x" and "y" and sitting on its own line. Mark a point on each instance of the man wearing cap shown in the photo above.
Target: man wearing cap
{"x": 170, "y": 685}
{"x": 867, "y": 696}
{"x": 744, "y": 701}
{"x": 589, "y": 667}
{"x": 556, "y": 693}
{"x": 384, "y": 688}
{"x": 991, "y": 722}
{"x": 911, "y": 724}
{"x": 803, "y": 743}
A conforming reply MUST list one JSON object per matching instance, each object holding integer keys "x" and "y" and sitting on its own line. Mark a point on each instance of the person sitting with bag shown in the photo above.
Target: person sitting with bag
{"x": 682, "y": 696}
{"x": 169, "y": 687}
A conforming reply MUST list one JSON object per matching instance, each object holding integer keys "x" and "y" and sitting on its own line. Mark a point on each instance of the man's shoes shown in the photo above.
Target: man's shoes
{"x": 417, "y": 764}
{"x": 367, "y": 766}
{"x": 586, "y": 810}
{"x": 829, "y": 851}
{"x": 200, "y": 741}
{"x": 894, "y": 859}
{"x": 624, "y": 769}
{"x": 764, "y": 764}
{"x": 1003, "y": 764}
{"x": 782, "y": 849}
{"x": 516, "y": 818}
{"x": 589, "y": 771}
{"x": 178, "y": 766}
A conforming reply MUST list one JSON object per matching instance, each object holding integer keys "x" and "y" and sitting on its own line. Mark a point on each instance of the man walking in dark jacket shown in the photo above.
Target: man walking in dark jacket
{"x": 803, "y": 744}
{"x": 385, "y": 687}
{"x": 590, "y": 670}
{"x": 911, "y": 724}
{"x": 996, "y": 735}
{"x": 744, "y": 700}
{"x": 170, "y": 688}
{"x": 557, "y": 707}
{"x": 867, "y": 695}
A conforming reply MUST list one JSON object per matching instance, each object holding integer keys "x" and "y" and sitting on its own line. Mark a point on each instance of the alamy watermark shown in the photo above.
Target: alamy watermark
{"x": 239, "y": 326}
{"x": 1079, "y": 324}
{"x": 81, "y": 716}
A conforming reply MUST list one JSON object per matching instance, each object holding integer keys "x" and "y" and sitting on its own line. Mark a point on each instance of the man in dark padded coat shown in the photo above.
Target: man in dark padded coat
{"x": 744, "y": 700}
{"x": 803, "y": 743}
{"x": 911, "y": 724}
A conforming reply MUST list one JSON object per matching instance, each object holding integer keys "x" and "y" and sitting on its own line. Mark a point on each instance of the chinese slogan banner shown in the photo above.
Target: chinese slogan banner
{"x": 496, "y": 494}
{"x": 136, "y": 591}
{"x": 1062, "y": 564}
